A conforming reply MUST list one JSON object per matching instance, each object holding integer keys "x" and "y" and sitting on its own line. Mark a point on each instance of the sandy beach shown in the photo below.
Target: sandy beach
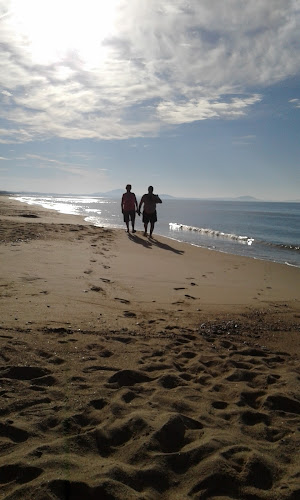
{"x": 143, "y": 369}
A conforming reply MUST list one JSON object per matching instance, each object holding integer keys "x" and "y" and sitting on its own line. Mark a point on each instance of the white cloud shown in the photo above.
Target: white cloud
{"x": 14, "y": 135}
{"x": 160, "y": 64}
{"x": 45, "y": 162}
{"x": 244, "y": 140}
{"x": 295, "y": 102}
{"x": 204, "y": 109}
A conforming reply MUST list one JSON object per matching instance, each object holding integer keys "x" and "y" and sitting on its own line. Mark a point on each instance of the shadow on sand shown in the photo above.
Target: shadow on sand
{"x": 148, "y": 242}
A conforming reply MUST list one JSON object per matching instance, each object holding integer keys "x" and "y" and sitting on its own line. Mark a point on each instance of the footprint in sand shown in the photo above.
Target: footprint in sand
{"x": 98, "y": 404}
{"x": 96, "y": 289}
{"x": 19, "y": 473}
{"x": 129, "y": 314}
{"x": 219, "y": 405}
{"x": 13, "y": 433}
{"x": 123, "y": 301}
{"x": 252, "y": 418}
{"x": 24, "y": 372}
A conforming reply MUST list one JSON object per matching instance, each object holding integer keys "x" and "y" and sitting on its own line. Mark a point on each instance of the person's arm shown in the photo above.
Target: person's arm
{"x": 141, "y": 202}
{"x": 122, "y": 203}
{"x": 136, "y": 203}
{"x": 157, "y": 199}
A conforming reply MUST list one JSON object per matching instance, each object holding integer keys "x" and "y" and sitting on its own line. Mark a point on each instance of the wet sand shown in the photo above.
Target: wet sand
{"x": 137, "y": 368}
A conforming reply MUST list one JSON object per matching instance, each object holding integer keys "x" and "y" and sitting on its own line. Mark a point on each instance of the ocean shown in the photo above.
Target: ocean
{"x": 260, "y": 230}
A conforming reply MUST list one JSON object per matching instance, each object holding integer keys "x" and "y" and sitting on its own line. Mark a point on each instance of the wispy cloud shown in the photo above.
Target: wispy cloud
{"x": 14, "y": 135}
{"x": 295, "y": 102}
{"x": 244, "y": 140}
{"x": 160, "y": 65}
{"x": 70, "y": 167}
{"x": 203, "y": 109}
{"x": 44, "y": 162}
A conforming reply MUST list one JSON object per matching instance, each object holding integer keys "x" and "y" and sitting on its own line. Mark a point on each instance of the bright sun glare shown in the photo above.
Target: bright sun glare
{"x": 51, "y": 29}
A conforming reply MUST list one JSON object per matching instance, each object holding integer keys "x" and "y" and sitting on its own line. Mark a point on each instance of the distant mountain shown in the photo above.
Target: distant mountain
{"x": 168, "y": 197}
{"x": 5, "y": 193}
{"x": 114, "y": 193}
{"x": 246, "y": 198}
{"x": 117, "y": 193}
{"x": 224, "y": 198}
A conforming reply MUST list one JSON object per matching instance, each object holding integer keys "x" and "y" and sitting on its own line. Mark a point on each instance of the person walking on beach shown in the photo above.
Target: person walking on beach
{"x": 150, "y": 201}
{"x": 129, "y": 206}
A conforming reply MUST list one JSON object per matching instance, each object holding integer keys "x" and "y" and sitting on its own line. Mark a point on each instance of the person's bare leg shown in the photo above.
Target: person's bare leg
{"x": 132, "y": 224}
{"x": 146, "y": 227}
{"x": 151, "y": 229}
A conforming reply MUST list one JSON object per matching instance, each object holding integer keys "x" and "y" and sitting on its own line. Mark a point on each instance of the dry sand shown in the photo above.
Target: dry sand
{"x": 143, "y": 369}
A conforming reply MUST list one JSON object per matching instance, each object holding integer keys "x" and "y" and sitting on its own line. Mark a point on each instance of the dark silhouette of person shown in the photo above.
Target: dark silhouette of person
{"x": 150, "y": 201}
{"x": 129, "y": 206}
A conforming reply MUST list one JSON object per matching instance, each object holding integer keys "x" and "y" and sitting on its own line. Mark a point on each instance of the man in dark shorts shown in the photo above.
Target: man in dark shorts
{"x": 150, "y": 201}
{"x": 129, "y": 206}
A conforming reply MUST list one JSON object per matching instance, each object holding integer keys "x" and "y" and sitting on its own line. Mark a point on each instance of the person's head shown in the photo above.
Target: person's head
{"x": 128, "y": 187}
{"x": 150, "y": 189}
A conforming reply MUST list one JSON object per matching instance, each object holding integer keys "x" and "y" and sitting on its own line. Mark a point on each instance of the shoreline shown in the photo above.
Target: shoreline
{"x": 138, "y": 369}
{"x": 234, "y": 254}
{"x": 232, "y": 251}
{"x": 193, "y": 283}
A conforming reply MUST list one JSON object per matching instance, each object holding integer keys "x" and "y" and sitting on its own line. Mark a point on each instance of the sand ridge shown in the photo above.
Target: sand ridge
{"x": 126, "y": 375}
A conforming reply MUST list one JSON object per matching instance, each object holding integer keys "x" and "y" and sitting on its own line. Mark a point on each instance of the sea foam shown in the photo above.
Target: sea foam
{"x": 174, "y": 226}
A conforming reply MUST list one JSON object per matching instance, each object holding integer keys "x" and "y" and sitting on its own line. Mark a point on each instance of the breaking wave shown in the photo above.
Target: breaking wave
{"x": 283, "y": 246}
{"x": 246, "y": 240}
{"x": 174, "y": 226}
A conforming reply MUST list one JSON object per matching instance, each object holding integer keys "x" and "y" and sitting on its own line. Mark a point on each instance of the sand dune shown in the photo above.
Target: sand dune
{"x": 132, "y": 369}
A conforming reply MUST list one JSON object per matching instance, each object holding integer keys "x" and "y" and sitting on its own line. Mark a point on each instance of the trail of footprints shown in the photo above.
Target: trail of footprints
{"x": 197, "y": 416}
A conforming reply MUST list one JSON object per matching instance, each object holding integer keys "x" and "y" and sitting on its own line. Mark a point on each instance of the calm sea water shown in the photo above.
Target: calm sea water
{"x": 261, "y": 230}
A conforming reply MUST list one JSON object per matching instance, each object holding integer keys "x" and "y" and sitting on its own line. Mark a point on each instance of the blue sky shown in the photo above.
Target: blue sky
{"x": 199, "y": 98}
